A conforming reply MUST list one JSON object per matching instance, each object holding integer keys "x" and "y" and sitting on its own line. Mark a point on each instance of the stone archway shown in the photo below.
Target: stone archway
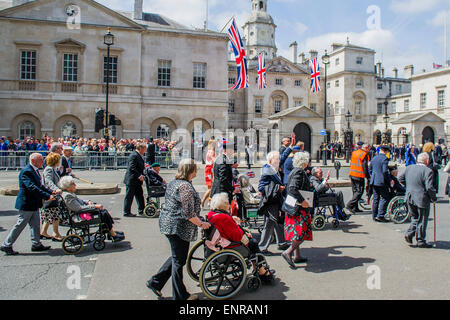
{"x": 303, "y": 133}
{"x": 162, "y": 122}
{"x": 64, "y": 123}
{"x": 428, "y": 135}
{"x": 377, "y": 137}
{"x": 23, "y": 118}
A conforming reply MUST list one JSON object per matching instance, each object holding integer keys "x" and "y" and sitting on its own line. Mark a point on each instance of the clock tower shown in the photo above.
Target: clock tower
{"x": 259, "y": 33}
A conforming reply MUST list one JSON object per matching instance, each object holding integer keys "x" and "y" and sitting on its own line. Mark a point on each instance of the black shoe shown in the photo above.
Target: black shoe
{"x": 151, "y": 287}
{"x": 283, "y": 246}
{"x": 357, "y": 210}
{"x": 9, "y": 251}
{"x": 118, "y": 237}
{"x": 45, "y": 237}
{"x": 382, "y": 219}
{"x": 350, "y": 209}
{"x": 57, "y": 240}
{"x": 288, "y": 260}
{"x": 301, "y": 260}
{"x": 408, "y": 239}
{"x": 424, "y": 245}
{"x": 129, "y": 215}
{"x": 267, "y": 253}
{"x": 40, "y": 247}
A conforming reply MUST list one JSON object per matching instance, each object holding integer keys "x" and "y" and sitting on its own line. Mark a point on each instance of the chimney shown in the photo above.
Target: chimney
{"x": 301, "y": 56}
{"x": 313, "y": 54}
{"x": 138, "y": 4}
{"x": 379, "y": 69}
{"x": 409, "y": 71}
{"x": 293, "y": 48}
{"x": 382, "y": 72}
{"x": 395, "y": 70}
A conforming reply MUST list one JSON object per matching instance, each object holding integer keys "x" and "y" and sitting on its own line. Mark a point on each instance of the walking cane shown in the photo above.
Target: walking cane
{"x": 434, "y": 220}
{"x": 84, "y": 180}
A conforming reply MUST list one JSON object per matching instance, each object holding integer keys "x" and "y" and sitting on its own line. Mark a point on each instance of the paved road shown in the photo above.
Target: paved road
{"x": 337, "y": 269}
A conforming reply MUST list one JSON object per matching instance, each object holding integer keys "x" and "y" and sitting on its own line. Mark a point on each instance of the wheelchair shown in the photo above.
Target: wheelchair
{"x": 397, "y": 210}
{"x": 154, "y": 205}
{"x": 322, "y": 205}
{"x": 80, "y": 231}
{"x": 223, "y": 273}
{"x": 248, "y": 213}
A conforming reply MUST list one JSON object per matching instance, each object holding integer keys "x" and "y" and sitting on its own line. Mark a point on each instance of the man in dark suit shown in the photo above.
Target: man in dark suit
{"x": 223, "y": 173}
{"x": 66, "y": 163}
{"x": 420, "y": 192}
{"x": 380, "y": 180}
{"x": 133, "y": 180}
{"x": 151, "y": 151}
{"x": 32, "y": 192}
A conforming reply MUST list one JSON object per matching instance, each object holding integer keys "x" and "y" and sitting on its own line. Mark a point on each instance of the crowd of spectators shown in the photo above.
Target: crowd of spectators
{"x": 81, "y": 145}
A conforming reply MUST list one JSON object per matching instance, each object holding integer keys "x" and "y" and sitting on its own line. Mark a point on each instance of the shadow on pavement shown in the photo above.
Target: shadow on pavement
{"x": 9, "y": 213}
{"x": 2, "y": 229}
{"x": 346, "y": 227}
{"x": 442, "y": 245}
{"x": 320, "y": 261}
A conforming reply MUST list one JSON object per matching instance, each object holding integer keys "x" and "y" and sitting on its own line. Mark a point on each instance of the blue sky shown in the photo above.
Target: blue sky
{"x": 408, "y": 32}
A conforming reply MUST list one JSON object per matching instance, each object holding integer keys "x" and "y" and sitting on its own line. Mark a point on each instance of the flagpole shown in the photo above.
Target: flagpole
{"x": 226, "y": 24}
{"x": 445, "y": 40}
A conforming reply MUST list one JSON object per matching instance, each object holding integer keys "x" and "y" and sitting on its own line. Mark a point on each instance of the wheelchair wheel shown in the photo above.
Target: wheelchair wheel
{"x": 72, "y": 244}
{"x": 99, "y": 242}
{"x": 151, "y": 210}
{"x": 223, "y": 274}
{"x": 195, "y": 259}
{"x": 253, "y": 283}
{"x": 398, "y": 210}
{"x": 318, "y": 222}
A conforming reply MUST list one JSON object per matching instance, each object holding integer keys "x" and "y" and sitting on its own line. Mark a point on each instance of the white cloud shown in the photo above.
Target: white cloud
{"x": 439, "y": 18}
{"x": 414, "y": 6}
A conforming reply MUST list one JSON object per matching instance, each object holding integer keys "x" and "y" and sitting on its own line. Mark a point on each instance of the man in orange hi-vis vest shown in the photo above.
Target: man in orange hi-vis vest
{"x": 359, "y": 171}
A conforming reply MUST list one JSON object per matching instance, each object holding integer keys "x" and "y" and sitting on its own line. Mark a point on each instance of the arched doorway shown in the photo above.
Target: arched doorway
{"x": 427, "y": 135}
{"x": 377, "y": 137}
{"x": 303, "y": 133}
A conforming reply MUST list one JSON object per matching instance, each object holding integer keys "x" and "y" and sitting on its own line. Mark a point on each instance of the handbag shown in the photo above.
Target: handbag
{"x": 289, "y": 209}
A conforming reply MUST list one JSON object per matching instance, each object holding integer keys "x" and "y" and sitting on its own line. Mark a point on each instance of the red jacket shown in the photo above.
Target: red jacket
{"x": 227, "y": 227}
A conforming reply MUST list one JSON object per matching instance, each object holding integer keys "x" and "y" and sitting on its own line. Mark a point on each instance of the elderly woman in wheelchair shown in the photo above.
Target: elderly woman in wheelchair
{"x": 224, "y": 255}
{"x": 87, "y": 209}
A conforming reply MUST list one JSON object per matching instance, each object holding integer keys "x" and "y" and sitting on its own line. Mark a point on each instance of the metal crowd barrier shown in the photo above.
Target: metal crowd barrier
{"x": 16, "y": 160}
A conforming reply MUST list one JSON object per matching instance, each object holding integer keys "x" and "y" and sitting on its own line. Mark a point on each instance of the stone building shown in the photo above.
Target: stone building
{"x": 52, "y": 75}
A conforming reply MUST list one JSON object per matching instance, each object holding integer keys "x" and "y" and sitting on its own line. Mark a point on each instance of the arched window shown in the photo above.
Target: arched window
{"x": 26, "y": 129}
{"x": 261, "y": 5}
{"x": 68, "y": 129}
{"x": 163, "y": 131}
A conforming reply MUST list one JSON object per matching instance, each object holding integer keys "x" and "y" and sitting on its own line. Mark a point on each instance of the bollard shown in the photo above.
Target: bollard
{"x": 318, "y": 156}
{"x": 337, "y": 166}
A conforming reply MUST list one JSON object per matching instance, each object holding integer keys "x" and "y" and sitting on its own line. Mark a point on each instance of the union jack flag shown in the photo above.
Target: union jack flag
{"x": 262, "y": 71}
{"x": 315, "y": 75}
{"x": 241, "y": 59}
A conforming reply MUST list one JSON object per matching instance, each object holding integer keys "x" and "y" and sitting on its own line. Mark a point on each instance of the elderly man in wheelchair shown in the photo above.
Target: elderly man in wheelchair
{"x": 228, "y": 251}
{"x": 87, "y": 210}
{"x": 325, "y": 196}
{"x": 156, "y": 189}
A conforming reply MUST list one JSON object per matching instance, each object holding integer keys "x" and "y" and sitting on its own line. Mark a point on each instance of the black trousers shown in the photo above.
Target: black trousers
{"x": 134, "y": 191}
{"x": 358, "y": 191}
{"x": 173, "y": 267}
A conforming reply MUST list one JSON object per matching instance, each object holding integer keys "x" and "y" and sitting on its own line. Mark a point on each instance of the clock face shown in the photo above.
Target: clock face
{"x": 72, "y": 10}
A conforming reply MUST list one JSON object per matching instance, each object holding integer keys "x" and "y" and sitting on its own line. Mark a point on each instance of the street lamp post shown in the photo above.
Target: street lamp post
{"x": 326, "y": 62}
{"x": 109, "y": 41}
{"x": 348, "y": 136}
{"x": 386, "y": 120}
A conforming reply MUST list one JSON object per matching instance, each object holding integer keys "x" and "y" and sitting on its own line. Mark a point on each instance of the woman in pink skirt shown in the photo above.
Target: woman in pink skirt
{"x": 298, "y": 228}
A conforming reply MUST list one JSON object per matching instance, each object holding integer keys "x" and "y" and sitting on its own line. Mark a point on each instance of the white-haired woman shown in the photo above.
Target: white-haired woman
{"x": 298, "y": 228}
{"x": 178, "y": 221}
{"x": 68, "y": 186}
{"x": 230, "y": 229}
